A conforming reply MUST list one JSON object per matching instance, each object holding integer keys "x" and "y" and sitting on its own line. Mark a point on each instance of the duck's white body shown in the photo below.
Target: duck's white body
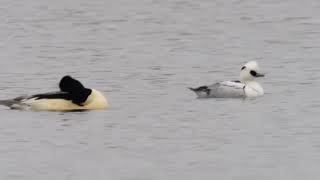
{"x": 95, "y": 100}
{"x": 246, "y": 87}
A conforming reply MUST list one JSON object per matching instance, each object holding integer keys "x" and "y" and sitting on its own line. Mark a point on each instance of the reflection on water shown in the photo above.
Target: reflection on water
{"x": 143, "y": 55}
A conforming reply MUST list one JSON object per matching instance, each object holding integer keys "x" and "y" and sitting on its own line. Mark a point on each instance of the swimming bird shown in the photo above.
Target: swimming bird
{"x": 72, "y": 96}
{"x": 246, "y": 87}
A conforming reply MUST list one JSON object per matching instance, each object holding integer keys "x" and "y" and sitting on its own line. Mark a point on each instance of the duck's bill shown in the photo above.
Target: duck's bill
{"x": 260, "y": 75}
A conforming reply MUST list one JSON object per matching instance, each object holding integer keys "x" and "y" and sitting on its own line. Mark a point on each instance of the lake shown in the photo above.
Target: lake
{"x": 143, "y": 54}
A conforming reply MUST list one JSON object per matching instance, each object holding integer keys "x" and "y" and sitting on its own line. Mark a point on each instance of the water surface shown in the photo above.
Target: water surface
{"x": 143, "y": 55}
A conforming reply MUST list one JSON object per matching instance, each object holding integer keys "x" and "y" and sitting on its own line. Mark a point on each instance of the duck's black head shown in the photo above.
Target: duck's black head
{"x": 68, "y": 84}
{"x": 78, "y": 92}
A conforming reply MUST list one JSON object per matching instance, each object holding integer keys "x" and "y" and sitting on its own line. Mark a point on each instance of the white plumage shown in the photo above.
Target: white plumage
{"x": 246, "y": 87}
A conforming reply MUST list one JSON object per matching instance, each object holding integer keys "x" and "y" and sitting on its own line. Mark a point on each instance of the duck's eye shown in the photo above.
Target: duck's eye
{"x": 253, "y": 73}
{"x": 243, "y": 68}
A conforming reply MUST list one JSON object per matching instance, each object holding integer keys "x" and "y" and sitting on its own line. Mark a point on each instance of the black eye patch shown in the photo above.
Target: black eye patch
{"x": 243, "y": 67}
{"x": 253, "y": 73}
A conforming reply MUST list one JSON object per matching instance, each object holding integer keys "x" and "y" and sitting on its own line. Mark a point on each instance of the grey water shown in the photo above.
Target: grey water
{"x": 143, "y": 54}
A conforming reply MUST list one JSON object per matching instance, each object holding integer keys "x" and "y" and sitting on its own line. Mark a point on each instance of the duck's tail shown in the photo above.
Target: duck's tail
{"x": 202, "y": 91}
{"x": 192, "y": 89}
{"x": 12, "y": 102}
{"x": 8, "y": 103}
{"x": 201, "y": 88}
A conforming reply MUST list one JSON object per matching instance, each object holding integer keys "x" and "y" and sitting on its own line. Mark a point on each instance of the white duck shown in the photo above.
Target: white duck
{"x": 246, "y": 87}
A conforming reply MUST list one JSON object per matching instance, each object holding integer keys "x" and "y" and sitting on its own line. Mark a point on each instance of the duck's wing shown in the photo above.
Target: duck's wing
{"x": 225, "y": 89}
{"x": 22, "y": 100}
{"x": 52, "y": 95}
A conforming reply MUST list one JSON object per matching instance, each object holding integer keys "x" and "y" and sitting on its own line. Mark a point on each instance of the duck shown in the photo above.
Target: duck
{"x": 73, "y": 96}
{"x": 246, "y": 87}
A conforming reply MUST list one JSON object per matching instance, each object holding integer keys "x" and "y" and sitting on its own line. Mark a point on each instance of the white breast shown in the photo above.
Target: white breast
{"x": 253, "y": 89}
